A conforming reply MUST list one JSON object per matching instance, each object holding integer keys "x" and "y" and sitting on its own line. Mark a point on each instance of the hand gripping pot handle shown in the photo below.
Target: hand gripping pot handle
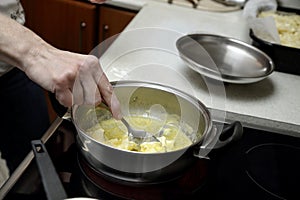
{"x": 229, "y": 134}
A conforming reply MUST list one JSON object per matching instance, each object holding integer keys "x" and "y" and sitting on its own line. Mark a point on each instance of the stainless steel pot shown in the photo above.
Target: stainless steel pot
{"x": 136, "y": 98}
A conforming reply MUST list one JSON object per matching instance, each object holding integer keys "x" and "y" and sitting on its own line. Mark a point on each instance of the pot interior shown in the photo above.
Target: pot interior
{"x": 150, "y": 101}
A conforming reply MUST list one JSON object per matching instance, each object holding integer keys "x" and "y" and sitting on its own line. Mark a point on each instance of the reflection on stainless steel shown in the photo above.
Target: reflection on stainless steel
{"x": 225, "y": 59}
{"x": 193, "y": 2}
{"x": 232, "y": 2}
{"x": 22, "y": 167}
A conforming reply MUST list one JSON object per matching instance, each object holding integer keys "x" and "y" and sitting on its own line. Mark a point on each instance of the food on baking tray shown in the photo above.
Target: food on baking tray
{"x": 288, "y": 26}
{"x": 114, "y": 133}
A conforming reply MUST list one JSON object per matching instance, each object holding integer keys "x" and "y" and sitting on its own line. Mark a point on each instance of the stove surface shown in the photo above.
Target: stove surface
{"x": 261, "y": 165}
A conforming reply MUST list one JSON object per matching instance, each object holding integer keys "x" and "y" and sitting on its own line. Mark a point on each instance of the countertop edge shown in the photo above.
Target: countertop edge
{"x": 265, "y": 124}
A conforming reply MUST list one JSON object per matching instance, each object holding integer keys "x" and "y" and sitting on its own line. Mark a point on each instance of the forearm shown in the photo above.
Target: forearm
{"x": 18, "y": 45}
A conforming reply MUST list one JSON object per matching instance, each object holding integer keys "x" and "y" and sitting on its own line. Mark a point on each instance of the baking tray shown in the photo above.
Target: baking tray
{"x": 286, "y": 59}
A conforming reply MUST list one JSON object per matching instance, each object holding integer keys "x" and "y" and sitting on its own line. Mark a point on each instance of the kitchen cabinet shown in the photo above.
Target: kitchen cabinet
{"x": 75, "y": 25}
{"x": 113, "y": 21}
{"x": 66, "y": 24}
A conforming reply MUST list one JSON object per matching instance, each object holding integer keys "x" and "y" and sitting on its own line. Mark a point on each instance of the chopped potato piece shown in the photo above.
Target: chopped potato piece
{"x": 113, "y": 132}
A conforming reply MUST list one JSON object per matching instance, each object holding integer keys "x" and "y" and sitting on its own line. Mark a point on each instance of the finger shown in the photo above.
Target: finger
{"x": 86, "y": 83}
{"x": 91, "y": 94}
{"x": 105, "y": 89}
{"x": 109, "y": 97}
{"x": 64, "y": 97}
{"x": 78, "y": 96}
{"x": 115, "y": 107}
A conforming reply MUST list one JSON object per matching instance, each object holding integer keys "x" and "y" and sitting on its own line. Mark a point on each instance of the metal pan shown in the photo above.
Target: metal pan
{"x": 223, "y": 58}
{"x": 286, "y": 59}
{"x": 136, "y": 98}
{"x": 147, "y": 168}
{"x": 240, "y": 3}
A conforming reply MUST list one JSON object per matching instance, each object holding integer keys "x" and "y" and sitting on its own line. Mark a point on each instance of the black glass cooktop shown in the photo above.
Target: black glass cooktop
{"x": 260, "y": 165}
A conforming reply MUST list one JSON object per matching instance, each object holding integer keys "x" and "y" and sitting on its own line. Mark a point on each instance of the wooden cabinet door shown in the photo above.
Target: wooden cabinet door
{"x": 66, "y": 24}
{"x": 113, "y": 21}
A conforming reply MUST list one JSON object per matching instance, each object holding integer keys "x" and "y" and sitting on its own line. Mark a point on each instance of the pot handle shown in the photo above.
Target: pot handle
{"x": 51, "y": 182}
{"x": 230, "y": 133}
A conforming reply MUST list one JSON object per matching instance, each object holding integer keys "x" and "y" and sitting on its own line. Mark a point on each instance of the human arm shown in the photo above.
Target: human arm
{"x": 61, "y": 72}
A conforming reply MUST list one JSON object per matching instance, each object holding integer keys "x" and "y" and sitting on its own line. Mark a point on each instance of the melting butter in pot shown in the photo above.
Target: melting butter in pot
{"x": 114, "y": 133}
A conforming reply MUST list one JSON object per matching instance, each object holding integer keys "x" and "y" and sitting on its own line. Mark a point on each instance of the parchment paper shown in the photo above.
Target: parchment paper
{"x": 264, "y": 28}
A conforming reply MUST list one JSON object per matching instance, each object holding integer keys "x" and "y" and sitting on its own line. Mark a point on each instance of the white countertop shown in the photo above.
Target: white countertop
{"x": 146, "y": 51}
